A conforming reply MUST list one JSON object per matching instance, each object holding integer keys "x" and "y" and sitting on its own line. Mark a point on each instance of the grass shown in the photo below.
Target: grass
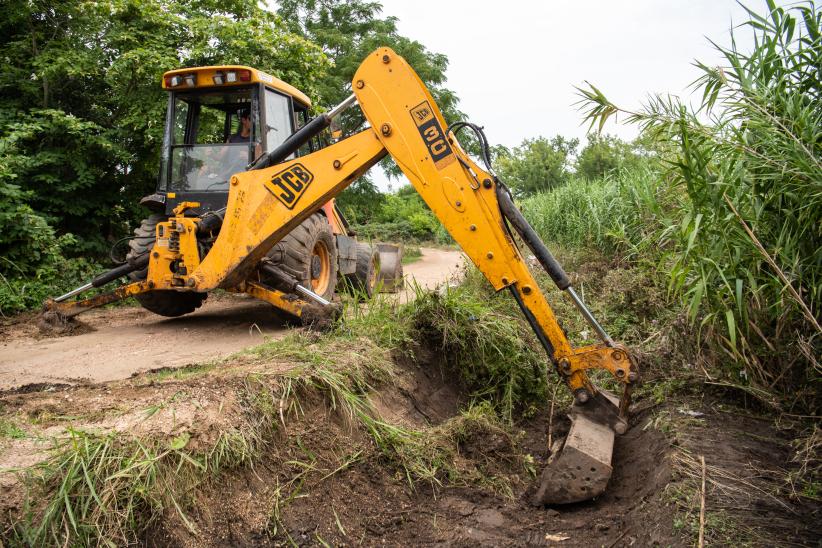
{"x": 10, "y": 430}
{"x": 483, "y": 345}
{"x": 623, "y": 213}
{"x": 411, "y": 254}
{"x": 742, "y": 244}
{"x": 106, "y": 487}
{"x": 180, "y": 373}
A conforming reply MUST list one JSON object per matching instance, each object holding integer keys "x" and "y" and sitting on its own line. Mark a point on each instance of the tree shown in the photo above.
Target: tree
{"x": 81, "y": 109}
{"x": 604, "y": 154}
{"x": 347, "y": 31}
{"x": 537, "y": 164}
{"x": 361, "y": 201}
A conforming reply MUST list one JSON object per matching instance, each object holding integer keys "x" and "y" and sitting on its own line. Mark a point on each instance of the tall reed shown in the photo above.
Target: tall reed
{"x": 749, "y": 160}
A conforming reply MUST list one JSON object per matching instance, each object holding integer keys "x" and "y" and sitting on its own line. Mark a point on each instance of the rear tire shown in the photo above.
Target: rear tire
{"x": 364, "y": 279}
{"x": 309, "y": 253}
{"x": 165, "y": 303}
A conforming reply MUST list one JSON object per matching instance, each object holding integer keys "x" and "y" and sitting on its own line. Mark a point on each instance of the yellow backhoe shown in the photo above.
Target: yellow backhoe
{"x": 291, "y": 180}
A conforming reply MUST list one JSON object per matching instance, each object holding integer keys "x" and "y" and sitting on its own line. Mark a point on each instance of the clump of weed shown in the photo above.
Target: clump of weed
{"x": 10, "y": 430}
{"x": 493, "y": 354}
{"x": 472, "y": 448}
{"x": 104, "y": 488}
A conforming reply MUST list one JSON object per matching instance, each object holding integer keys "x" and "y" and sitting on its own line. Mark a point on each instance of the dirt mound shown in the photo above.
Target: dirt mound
{"x": 320, "y": 481}
{"x": 276, "y": 446}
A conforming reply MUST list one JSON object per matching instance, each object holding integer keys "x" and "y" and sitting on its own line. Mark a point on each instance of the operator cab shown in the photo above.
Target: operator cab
{"x": 219, "y": 120}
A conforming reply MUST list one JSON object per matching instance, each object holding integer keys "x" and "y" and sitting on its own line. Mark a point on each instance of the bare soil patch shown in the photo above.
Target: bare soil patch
{"x": 114, "y": 343}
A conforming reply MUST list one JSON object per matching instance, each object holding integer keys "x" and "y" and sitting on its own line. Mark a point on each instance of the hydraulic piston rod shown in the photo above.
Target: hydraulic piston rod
{"x": 546, "y": 259}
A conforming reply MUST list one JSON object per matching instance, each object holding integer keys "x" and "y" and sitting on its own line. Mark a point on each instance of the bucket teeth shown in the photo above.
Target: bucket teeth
{"x": 580, "y": 470}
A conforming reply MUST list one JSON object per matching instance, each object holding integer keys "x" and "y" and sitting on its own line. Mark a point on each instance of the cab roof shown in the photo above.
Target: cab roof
{"x": 205, "y": 79}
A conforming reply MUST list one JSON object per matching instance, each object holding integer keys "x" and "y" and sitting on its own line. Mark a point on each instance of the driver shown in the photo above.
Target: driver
{"x": 217, "y": 170}
{"x": 243, "y": 134}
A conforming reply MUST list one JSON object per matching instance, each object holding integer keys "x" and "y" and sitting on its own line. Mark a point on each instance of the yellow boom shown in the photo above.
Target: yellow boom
{"x": 473, "y": 205}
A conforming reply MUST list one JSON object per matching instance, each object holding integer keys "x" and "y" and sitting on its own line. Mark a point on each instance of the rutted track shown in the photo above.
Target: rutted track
{"x": 122, "y": 341}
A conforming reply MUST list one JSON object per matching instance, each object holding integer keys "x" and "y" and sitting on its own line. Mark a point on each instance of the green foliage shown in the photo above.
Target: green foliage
{"x": 32, "y": 263}
{"x": 19, "y": 293}
{"x": 10, "y": 430}
{"x": 402, "y": 216}
{"x": 347, "y": 31}
{"x": 604, "y": 154}
{"x": 81, "y": 109}
{"x": 538, "y": 164}
{"x": 478, "y": 339}
{"x": 621, "y": 213}
{"x": 748, "y": 240}
{"x": 361, "y": 201}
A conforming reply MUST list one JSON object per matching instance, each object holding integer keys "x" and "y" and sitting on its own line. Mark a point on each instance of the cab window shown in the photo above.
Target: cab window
{"x": 277, "y": 119}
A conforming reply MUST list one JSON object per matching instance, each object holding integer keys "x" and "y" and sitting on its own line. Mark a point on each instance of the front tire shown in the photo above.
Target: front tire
{"x": 309, "y": 253}
{"x": 165, "y": 303}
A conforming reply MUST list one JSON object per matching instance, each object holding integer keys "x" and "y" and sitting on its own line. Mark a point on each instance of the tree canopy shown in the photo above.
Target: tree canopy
{"x": 81, "y": 108}
{"x": 538, "y": 164}
{"x": 604, "y": 154}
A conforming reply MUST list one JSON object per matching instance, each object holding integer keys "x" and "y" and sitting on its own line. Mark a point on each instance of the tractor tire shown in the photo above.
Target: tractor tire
{"x": 165, "y": 303}
{"x": 364, "y": 279}
{"x": 309, "y": 253}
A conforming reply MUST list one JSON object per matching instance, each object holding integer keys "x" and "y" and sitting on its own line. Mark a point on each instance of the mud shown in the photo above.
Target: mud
{"x": 370, "y": 503}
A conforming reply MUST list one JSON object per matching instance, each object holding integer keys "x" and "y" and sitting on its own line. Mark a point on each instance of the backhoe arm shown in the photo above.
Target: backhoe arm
{"x": 277, "y": 194}
{"x": 471, "y": 203}
{"x": 475, "y": 208}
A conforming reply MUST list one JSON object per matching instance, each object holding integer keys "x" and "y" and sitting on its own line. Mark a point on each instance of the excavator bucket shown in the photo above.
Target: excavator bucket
{"x": 390, "y": 278}
{"x": 580, "y": 466}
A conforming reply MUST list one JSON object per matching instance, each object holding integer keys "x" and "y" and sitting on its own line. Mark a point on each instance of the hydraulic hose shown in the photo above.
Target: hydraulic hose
{"x": 531, "y": 239}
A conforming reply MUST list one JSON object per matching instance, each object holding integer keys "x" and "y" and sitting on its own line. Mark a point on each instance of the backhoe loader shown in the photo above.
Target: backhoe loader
{"x": 229, "y": 248}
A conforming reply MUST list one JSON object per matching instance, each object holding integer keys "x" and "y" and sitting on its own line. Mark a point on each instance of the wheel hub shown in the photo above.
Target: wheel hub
{"x": 316, "y": 267}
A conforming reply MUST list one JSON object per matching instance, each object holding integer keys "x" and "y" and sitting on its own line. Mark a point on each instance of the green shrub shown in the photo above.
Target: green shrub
{"x": 748, "y": 238}
{"x": 32, "y": 267}
{"x": 21, "y": 293}
{"x": 403, "y": 216}
{"x": 480, "y": 339}
{"x": 621, "y": 213}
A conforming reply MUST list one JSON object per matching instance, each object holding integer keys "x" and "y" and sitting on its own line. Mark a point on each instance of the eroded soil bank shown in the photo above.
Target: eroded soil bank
{"x": 321, "y": 478}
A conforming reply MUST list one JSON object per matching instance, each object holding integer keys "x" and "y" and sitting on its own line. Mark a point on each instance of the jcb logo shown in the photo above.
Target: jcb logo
{"x": 432, "y": 135}
{"x": 290, "y": 184}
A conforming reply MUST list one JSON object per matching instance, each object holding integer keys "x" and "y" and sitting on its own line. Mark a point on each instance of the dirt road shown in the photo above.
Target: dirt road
{"x": 127, "y": 340}
{"x": 437, "y": 266}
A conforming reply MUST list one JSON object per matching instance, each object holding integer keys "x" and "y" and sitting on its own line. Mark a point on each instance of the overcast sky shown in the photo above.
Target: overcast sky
{"x": 514, "y": 64}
